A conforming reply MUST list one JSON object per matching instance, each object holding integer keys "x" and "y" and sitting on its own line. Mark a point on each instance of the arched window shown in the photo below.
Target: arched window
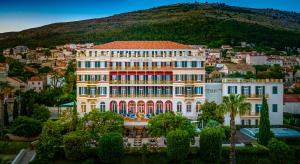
{"x": 102, "y": 107}
{"x": 131, "y": 107}
{"x": 150, "y": 106}
{"x": 179, "y": 107}
{"x": 123, "y": 107}
{"x": 83, "y": 107}
{"x": 188, "y": 107}
{"x": 168, "y": 106}
{"x": 114, "y": 107}
{"x": 198, "y": 106}
{"x": 93, "y": 106}
{"x": 159, "y": 106}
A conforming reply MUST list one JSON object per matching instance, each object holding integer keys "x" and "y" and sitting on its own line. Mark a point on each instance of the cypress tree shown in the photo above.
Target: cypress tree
{"x": 23, "y": 111}
{"x": 265, "y": 133}
{"x": 15, "y": 110}
{"x": 6, "y": 121}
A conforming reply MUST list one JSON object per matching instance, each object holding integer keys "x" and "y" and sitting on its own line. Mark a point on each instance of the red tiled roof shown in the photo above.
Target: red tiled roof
{"x": 142, "y": 45}
{"x": 291, "y": 98}
{"x": 35, "y": 78}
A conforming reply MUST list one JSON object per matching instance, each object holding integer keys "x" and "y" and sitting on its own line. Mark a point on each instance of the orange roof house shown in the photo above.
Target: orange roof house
{"x": 142, "y": 45}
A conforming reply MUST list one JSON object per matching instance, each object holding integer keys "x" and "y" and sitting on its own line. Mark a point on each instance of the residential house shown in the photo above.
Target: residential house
{"x": 272, "y": 60}
{"x": 291, "y": 103}
{"x": 230, "y": 68}
{"x": 36, "y": 83}
{"x": 256, "y": 59}
{"x": 20, "y": 50}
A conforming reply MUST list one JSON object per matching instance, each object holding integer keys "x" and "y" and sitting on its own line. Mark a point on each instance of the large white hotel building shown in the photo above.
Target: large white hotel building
{"x": 135, "y": 78}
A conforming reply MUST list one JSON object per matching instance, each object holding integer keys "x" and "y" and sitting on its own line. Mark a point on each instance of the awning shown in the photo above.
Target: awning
{"x": 69, "y": 104}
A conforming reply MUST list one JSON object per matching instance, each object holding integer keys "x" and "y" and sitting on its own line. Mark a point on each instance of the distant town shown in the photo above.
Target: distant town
{"x": 137, "y": 84}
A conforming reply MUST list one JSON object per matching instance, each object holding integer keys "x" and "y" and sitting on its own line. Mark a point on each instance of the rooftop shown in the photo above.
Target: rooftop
{"x": 291, "y": 98}
{"x": 244, "y": 67}
{"x": 142, "y": 45}
{"x": 35, "y": 78}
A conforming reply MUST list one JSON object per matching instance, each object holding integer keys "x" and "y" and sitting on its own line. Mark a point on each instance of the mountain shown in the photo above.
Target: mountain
{"x": 192, "y": 23}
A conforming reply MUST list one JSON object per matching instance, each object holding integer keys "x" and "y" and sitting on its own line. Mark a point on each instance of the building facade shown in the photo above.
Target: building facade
{"x": 141, "y": 77}
{"x": 254, "y": 90}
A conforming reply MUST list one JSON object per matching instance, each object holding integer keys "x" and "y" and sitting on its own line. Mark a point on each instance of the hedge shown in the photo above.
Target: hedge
{"x": 279, "y": 151}
{"x": 110, "y": 147}
{"x": 211, "y": 144}
{"x": 178, "y": 145}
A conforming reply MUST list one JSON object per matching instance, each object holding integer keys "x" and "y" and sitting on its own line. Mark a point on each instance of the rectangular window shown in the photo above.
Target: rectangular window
{"x": 260, "y": 90}
{"x": 246, "y": 90}
{"x": 275, "y": 90}
{"x": 232, "y": 89}
{"x": 258, "y": 108}
{"x": 274, "y": 107}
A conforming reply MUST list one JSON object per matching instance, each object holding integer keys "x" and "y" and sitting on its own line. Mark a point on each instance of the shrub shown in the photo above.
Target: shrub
{"x": 12, "y": 147}
{"x": 26, "y": 127}
{"x": 178, "y": 145}
{"x": 212, "y": 124}
{"x": 279, "y": 151}
{"x": 226, "y": 130}
{"x": 110, "y": 147}
{"x": 41, "y": 113}
{"x": 76, "y": 145}
{"x": 50, "y": 140}
{"x": 211, "y": 144}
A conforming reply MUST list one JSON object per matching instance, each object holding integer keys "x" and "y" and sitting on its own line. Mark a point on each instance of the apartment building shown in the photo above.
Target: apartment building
{"x": 141, "y": 77}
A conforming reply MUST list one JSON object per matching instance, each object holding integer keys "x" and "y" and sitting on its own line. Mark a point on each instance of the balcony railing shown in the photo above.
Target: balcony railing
{"x": 255, "y": 96}
{"x": 141, "y": 67}
{"x": 251, "y": 114}
{"x": 228, "y": 80}
{"x": 140, "y": 82}
{"x": 141, "y": 95}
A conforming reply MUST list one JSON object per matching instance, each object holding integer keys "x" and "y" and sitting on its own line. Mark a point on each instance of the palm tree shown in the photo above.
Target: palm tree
{"x": 233, "y": 104}
{"x": 5, "y": 89}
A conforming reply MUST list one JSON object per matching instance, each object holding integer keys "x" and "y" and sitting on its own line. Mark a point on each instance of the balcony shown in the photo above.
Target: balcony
{"x": 255, "y": 96}
{"x": 142, "y": 68}
{"x": 90, "y": 96}
{"x": 140, "y": 82}
{"x": 92, "y": 82}
{"x": 251, "y": 115}
{"x": 228, "y": 80}
{"x": 141, "y": 95}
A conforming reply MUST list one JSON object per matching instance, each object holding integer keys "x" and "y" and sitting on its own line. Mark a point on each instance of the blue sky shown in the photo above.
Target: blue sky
{"x": 16, "y": 15}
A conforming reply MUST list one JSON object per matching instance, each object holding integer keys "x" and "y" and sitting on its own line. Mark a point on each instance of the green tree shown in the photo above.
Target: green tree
{"x": 211, "y": 144}
{"x": 49, "y": 141}
{"x": 265, "y": 133}
{"x": 5, "y": 89}
{"x": 233, "y": 104}
{"x": 280, "y": 152}
{"x": 163, "y": 123}
{"x": 15, "y": 110}
{"x": 210, "y": 112}
{"x": 26, "y": 127}
{"x": 110, "y": 147}
{"x": 76, "y": 145}
{"x": 40, "y": 112}
{"x": 178, "y": 145}
{"x": 97, "y": 123}
{"x": 5, "y": 113}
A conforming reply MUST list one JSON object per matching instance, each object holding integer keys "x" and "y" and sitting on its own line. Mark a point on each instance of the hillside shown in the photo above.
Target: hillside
{"x": 185, "y": 23}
